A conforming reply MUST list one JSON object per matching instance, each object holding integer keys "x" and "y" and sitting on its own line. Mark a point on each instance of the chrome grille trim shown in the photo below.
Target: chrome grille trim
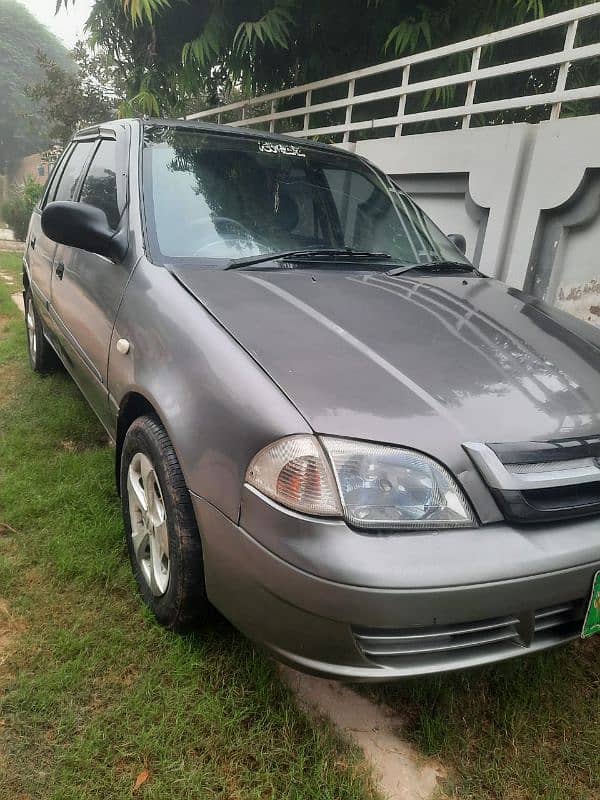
{"x": 550, "y": 466}
{"x": 499, "y": 476}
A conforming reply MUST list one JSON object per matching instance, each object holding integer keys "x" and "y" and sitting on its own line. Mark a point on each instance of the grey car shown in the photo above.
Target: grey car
{"x": 375, "y": 461}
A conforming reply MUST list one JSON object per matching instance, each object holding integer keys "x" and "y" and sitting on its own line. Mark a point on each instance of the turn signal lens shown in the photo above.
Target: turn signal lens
{"x": 294, "y": 472}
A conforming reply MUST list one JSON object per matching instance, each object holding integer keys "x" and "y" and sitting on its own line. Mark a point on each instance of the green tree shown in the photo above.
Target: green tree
{"x": 22, "y": 127}
{"x": 73, "y": 99}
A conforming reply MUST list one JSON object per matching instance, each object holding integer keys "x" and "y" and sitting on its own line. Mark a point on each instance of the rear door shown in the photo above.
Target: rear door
{"x": 87, "y": 288}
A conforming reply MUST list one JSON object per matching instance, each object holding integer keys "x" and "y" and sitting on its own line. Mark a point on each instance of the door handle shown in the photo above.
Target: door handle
{"x": 60, "y": 270}
{"x": 33, "y": 241}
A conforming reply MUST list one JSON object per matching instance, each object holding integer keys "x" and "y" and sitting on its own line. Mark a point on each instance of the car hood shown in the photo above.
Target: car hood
{"x": 426, "y": 362}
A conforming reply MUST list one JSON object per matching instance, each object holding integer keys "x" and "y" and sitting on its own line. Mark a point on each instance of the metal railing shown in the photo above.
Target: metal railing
{"x": 464, "y": 112}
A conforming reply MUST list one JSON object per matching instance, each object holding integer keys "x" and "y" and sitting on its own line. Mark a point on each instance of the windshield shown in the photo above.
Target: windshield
{"x": 216, "y": 197}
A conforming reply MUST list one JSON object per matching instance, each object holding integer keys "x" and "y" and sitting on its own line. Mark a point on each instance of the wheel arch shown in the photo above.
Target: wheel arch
{"x": 26, "y": 270}
{"x": 133, "y": 405}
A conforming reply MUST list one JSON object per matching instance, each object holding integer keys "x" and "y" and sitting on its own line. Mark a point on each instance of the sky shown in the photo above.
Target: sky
{"x": 67, "y": 25}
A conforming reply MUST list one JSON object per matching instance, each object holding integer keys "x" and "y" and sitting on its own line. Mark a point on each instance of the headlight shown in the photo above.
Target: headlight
{"x": 372, "y": 486}
{"x": 391, "y": 487}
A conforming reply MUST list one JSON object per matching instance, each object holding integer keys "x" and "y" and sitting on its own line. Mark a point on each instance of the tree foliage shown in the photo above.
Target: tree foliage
{"x": 22, "y": 128}
{"x": 174, "y": 52}
{"x": 72, "y": 100}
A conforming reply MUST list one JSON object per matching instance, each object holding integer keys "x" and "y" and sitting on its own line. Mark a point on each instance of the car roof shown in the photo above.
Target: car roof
{"x": 109, "y": 129}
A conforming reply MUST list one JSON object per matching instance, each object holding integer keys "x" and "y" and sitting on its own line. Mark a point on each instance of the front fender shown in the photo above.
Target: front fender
{"x": 217, "y": 404}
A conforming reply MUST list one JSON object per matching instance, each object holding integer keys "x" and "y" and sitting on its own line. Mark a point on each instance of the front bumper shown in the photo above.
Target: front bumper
{"x": 285, "y": 594}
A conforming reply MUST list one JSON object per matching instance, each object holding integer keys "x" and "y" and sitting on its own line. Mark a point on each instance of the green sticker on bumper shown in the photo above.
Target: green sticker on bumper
{"x": 592, "y": 619}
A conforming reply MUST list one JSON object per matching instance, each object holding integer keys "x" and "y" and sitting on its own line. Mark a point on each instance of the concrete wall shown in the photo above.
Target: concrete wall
{"x": 527, "y": 198}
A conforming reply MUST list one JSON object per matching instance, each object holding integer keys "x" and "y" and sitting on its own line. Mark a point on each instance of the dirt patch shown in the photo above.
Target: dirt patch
{"x": 9, "y": 383}
{"x": 399, "y": 770}
{"x": 5, "y": 639}
{"x": 9, "y": 628}
{"x": 6, "y": 528}
{"x": 72, "y": 446}
{"x": 18, "y": 301}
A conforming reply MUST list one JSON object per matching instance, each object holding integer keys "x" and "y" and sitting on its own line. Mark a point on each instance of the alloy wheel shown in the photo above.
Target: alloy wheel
{"x": 148, "y": 518}
{"x": 31, "y": 334}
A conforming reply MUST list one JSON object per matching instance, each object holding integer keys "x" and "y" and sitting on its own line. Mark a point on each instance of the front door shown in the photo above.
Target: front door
{"x": 87, "y": 288}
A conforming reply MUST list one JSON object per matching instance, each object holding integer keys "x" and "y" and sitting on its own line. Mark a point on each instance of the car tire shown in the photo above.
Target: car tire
{"x": 163, "y": 541}
{"x": 42, "y": 357}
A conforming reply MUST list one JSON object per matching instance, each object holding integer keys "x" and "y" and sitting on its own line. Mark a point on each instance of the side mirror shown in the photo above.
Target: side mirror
{"x": 459, "y": 241}
{"x": 83, "y": 226}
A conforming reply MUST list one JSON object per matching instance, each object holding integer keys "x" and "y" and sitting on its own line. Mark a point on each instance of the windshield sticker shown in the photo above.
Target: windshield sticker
{"x": 277, "y": 148}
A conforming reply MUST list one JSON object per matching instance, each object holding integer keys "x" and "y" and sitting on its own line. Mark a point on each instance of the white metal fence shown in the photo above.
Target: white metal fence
{"x": 250, "y": 112}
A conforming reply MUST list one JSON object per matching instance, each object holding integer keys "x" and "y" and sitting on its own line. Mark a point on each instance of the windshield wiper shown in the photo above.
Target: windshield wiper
{"x": 432, "y": 266}
{"x": 326, "y": 252}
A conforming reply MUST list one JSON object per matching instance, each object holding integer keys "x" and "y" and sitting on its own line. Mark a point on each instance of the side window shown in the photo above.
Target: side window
{"x": 67, "y": 185}
{"x": 55, "y": 173}
{"x": 100, "y": 184}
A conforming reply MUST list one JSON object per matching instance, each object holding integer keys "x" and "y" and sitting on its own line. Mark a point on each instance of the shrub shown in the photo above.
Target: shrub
{"x": 17, "y": 209}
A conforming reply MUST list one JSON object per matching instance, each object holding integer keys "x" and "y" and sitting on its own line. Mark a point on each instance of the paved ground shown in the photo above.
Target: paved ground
{"x": 18, "y": 301}
{"x": 11, "y": 247}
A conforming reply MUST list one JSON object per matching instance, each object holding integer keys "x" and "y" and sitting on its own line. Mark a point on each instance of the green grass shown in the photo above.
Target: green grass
{"x": 92, "y": 690}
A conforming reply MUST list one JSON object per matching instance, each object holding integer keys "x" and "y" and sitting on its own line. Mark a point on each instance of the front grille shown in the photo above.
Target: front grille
{"x": 542, "y": 481}
{"x": 564, "y": 498}
{"x": 473, "y": 641}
